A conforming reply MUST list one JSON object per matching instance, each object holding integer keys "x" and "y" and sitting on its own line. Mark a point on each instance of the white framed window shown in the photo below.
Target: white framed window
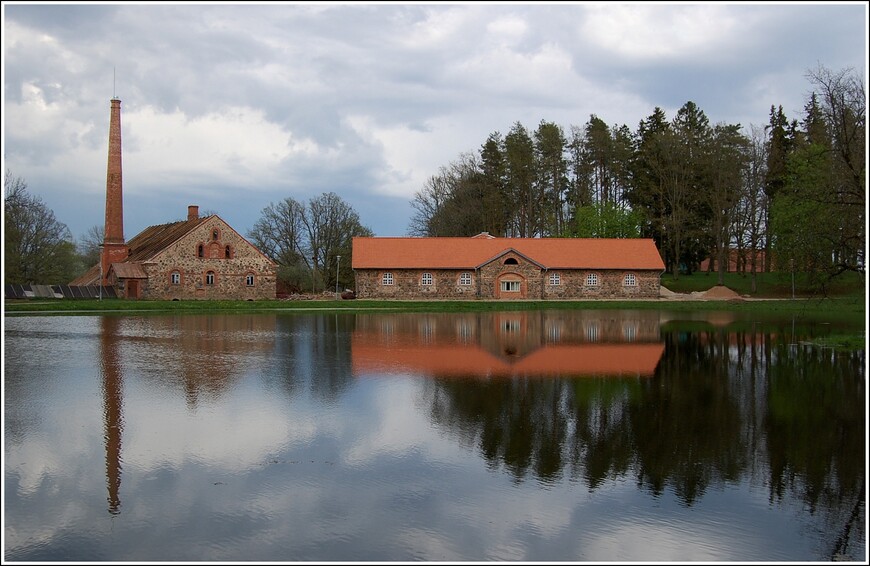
{"x": 510, "y": 286}
{"x": 175, "y": 278}
{"x": 209, "y": 278}
{"x": 555, "y": 279}
{"x": 592, "y": 280}
{"x": 249, "y": 280}
{"x": 387, "y": 279}
{"x": 465, "y": 278}
{"x": 426, "y": 279}
{"x": 629, "y": 280}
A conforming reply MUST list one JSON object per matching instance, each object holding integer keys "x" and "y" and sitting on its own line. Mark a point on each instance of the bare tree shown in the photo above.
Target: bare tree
{"x": 88, "y": 245}
{"x": 37, "y": 247}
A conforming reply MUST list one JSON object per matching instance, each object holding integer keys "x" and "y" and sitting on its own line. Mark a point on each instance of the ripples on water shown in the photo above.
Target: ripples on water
{"x": 551, "y": 436}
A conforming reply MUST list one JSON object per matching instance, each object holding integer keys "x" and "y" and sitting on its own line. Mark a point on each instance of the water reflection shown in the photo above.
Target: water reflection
{"x": 554, "y": 436}
{"x": 518, "y": 344}
{"x": 110, "y": 372}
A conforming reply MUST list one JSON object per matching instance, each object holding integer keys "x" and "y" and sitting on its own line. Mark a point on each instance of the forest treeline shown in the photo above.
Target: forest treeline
{"x": 794, "y": 188}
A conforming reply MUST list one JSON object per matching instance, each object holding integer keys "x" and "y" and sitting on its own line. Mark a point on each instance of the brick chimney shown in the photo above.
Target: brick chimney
{"x": 192, "y": 212}
{"x": 114, "y": 247}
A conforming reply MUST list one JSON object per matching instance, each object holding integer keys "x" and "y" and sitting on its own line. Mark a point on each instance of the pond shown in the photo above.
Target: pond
{"x": 604, "y": 435}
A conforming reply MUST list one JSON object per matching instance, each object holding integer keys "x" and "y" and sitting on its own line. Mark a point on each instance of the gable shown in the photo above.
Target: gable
{"x": 155, "y": 241}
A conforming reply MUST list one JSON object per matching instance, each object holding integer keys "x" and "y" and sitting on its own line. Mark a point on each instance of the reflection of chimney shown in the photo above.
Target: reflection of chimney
{"x": 110, "y": 368}
{"x": 192, "y": 212}
{"x": 114, "y": 248}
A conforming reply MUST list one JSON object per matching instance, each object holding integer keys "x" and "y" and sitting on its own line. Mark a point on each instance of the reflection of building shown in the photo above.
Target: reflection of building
{"x": 112, "y": 381}
{"x": 204, "y": 355}
{"x": 197, "y": 258}
{"x": 506, "y": 344}
{"x": 484, "y": 267}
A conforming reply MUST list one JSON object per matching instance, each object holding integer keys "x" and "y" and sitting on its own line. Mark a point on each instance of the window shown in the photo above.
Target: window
{"x": 387, "y": 279}
{"x": 215, "y": 234}
{"x": 630, "y": 280}
{"x": 200, "y": 250}
{"x": 228, "y": 252}
{"x": 511, "y": 261}
{"x": 426, "y": 279}
{"x": 592, "y": 280}
{"x": 175, "y": 278}
{"x": 465, "y": 278}
{"x": 209, "y": 278}
{"x": 249, "y": 280}
{"x": 510, "y": 286}
{"x": 555, "y": 279}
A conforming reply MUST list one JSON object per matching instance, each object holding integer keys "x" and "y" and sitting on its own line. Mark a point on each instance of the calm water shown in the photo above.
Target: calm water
{"x": 528, "y": 436}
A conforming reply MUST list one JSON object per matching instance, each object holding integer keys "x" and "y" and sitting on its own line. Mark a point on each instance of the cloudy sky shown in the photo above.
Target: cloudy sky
{"x": 235, "y": 106}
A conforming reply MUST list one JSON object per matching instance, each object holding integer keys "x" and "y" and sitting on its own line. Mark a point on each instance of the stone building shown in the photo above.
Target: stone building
{"x": 197, "y": 258}
{"x": 485, "y": 267}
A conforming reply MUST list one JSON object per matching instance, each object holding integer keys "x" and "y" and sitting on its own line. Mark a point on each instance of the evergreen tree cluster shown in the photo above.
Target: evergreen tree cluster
{"x": 794, "y": 190}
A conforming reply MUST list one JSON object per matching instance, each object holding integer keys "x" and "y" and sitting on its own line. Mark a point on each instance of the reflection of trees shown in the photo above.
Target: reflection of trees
{"x": 725, "y": 403}
{"x": 687, "y": 423}
{"x": 815, "y": 424}
{"x": 520, "y": 423}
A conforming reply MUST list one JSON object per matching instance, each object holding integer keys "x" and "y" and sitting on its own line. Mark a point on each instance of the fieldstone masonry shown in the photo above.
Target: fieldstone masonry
{"x": 534, "y": 282}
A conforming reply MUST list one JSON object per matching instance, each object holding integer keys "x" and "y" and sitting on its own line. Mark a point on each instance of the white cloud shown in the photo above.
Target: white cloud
{"x": 652, "y": 32}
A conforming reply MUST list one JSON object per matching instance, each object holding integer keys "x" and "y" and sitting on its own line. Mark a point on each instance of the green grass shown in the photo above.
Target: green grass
{"x": 842, "y": 342}
{"x": 769, "y": 285}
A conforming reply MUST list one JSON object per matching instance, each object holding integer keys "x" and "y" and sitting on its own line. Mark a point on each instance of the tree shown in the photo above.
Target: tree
{"x": 552, "y": 176}
{"x": 606, "y": 220}
{"x": 305, "y": 240}
{"x": 520, "y": 196}
{"x": 751, "y": 212}
{"x": 330, "y": 226}
{"x": 88, "y": 246}
{"x": 842, "y": 104}
{"x": 37, "y": 247}
{"x": 279, "y": 234}
{"x": 727, "y": 160}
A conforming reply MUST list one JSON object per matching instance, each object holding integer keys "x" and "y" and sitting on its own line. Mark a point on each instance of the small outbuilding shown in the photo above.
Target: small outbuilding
{"x": 486, "y": 267}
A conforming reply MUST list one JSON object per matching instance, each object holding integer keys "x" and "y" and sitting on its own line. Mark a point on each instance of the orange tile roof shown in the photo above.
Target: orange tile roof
{"x": 614, "y": 359}
{"x": 469, "y": 253}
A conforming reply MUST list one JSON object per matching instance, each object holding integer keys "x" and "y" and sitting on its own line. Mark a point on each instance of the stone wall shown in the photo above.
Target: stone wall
{"x": 229, "y": 274}
{"x": 534, "y": 283}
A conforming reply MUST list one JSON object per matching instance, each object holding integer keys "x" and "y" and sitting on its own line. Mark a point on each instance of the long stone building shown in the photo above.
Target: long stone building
{"x": 197, "y": 258}
{"x": 485, "y": 267}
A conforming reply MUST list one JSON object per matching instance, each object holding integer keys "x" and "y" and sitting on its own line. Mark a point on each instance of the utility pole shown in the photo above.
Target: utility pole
{"x": 337, "y": 264}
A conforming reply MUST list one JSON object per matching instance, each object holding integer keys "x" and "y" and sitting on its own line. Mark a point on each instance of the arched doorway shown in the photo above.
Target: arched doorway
{"x": 510, "y": 285}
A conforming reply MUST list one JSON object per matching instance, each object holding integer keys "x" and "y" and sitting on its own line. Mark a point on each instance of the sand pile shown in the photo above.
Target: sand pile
{"x": 665, "y": 292}
{"x": 721, "y": 292}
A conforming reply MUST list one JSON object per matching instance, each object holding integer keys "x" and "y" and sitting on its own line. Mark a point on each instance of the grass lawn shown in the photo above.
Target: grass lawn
{"x": 776, "y": 285}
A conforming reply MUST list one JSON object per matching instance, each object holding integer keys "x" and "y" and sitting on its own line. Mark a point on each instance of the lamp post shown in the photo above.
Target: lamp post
{"x": 100, "y": 280}
{"x": 337, "y": 264}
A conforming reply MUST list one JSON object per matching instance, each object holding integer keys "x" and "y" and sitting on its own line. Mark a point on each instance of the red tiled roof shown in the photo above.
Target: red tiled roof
{"x": 469, "y": 253}
{"x": 457, "y": 360}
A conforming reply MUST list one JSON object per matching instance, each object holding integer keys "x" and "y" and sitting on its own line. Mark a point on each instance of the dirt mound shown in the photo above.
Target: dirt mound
{"x": 665, "y": 292}
{"x": 721, "y": 292}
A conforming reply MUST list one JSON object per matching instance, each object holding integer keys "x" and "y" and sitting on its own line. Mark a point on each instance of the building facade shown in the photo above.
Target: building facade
{"x": 197, "y": 258}
{"x": 485, "y": 267}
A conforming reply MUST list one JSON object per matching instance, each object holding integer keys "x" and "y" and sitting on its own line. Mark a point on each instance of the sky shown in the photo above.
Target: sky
{"x": 233, "y": 107}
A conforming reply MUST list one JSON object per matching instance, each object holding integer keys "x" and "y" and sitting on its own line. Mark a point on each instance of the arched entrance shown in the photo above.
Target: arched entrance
{"x": 510, "y": 285}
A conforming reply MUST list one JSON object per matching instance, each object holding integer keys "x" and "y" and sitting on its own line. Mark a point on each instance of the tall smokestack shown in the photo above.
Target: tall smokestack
{"x": 114, "y": 247}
